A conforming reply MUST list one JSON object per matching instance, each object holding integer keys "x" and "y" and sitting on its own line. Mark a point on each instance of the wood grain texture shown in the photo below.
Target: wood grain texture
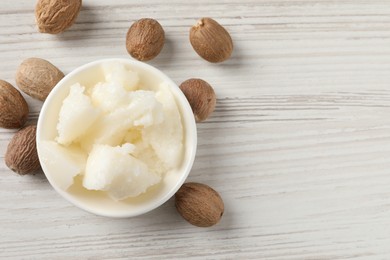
{"x": 298, "y": 147}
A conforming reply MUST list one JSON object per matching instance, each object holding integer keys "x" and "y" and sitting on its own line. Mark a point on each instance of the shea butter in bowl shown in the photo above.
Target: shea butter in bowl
{"x": 116, "y": 137}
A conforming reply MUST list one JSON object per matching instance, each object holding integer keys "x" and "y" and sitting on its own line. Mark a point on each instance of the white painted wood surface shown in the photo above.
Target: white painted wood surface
{"x": 299, "y": 145}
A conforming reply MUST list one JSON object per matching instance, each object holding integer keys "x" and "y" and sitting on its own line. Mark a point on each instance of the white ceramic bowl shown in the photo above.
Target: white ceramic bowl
{"x": 97, "y": 202}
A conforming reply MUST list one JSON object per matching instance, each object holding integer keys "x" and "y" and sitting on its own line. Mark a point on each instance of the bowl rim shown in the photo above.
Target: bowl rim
{"x": 183, "y": 104}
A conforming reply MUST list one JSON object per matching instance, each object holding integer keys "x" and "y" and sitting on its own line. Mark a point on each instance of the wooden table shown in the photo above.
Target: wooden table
{"x": 298, "y": 147}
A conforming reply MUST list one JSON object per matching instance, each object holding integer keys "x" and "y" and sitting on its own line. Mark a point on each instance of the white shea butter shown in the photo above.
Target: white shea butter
{"x": 64, "y": 162}
{"x": 77, "y": 114}
{"x": 115, "y": 72}
{"x": 167, "y": 142}
{"x": 115, "y": 170}
{"x": 119, "y": 135}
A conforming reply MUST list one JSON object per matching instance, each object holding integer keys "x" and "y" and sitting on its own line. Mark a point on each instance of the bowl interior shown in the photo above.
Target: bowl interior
{"x": 97, "y": 202}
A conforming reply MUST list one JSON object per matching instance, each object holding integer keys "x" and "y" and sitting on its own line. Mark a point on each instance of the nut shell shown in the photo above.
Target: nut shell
{"x": 201, "y": 97}
{"x": 37, "y": 77}
{"x": 211, "y": 40}
{"x": 21, "y": 155}
{"x": 55, "y": 16}
{"x": 13, "y": 107}
{"x": 199, "y": 204}
{"x": 145, "y": 39}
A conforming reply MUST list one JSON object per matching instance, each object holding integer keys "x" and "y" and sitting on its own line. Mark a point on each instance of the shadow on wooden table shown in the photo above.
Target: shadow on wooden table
{"x": 87, "y": 24}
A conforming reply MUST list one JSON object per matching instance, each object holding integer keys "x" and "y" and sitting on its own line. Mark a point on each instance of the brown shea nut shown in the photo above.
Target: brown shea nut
{"x": 37, "y": 77}
{"x": 21, "y": 155}
{"x": 211, "y": 41}
{"x": 201, "y": 97}
{"x": 13, "y": 107}
{"x": 199, "y": 204}
{"x": 55, "y": 16}
{"x": 145, "y": 39}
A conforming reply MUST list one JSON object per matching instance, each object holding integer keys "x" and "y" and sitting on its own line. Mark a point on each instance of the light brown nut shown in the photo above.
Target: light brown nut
{"x": 21, "y": 155}
{"x": 37, "y": 77}
{"x": 145, "y": 39}
{"x": 13, "y": 107}
{"x": 199, "y": 204}
{"x": 55, "y": 16}
{"x": 211, "y": 40}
